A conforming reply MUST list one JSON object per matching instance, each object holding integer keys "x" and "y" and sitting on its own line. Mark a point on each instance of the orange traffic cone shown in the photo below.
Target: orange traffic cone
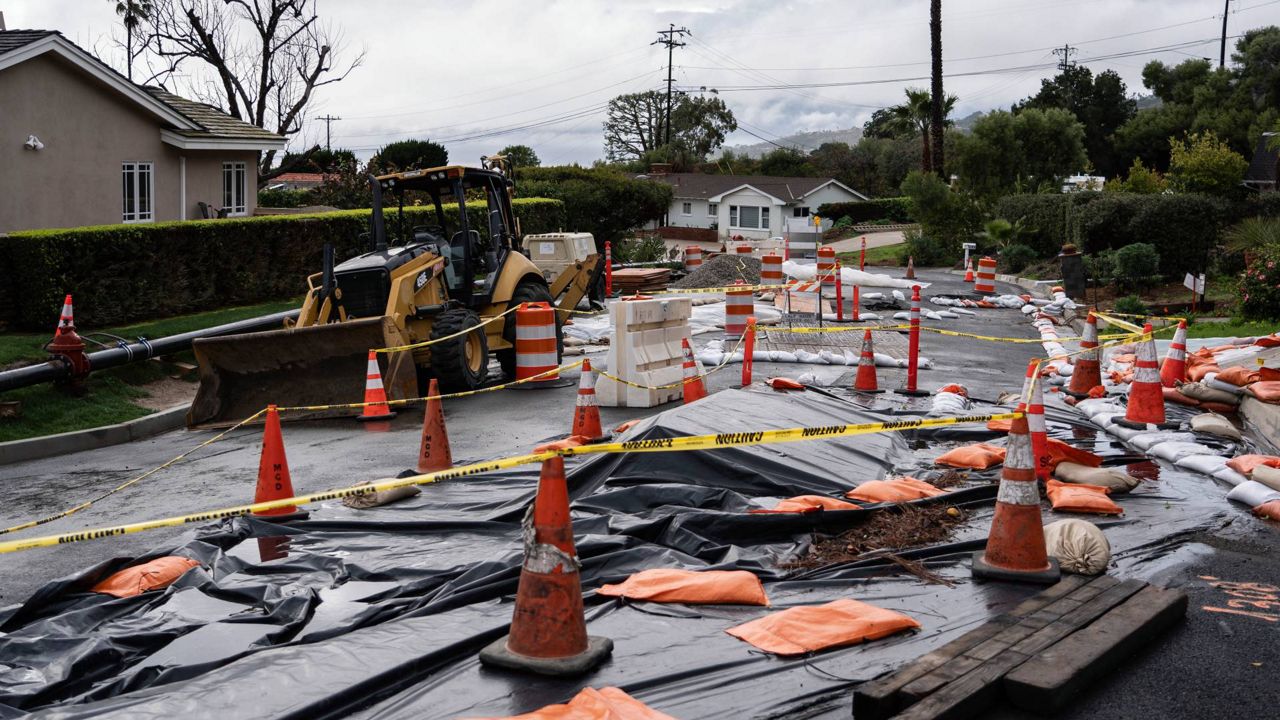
{"x": 1036, "y": 422}
{"x": 586, "y": 411}
{"x": 866, "y": 378}
{"x": 1145, "y": 407}
{"x": 968, "y": 271}
{"x": 376, "y": 409}
{"x": 694, "y": 389}
{"x": 911, "y": 268}
{"x": 1015, "y": 547}
{"x": 548, "y": 630}
{"x": 273, "y": 473}
{"x": 67, "y": 319}
{"x": 434, "y": 454}
{"x": 1174, "y": 368}
{"x": 1087, "y": 372}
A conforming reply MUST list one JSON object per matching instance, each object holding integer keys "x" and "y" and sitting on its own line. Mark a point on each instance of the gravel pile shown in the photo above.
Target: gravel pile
{"x": 722, "y": 270}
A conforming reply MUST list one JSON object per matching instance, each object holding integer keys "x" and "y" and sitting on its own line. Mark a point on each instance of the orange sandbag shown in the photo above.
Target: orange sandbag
{"x": 1126, "y": 358}
{"x": 708, "y": 587}
{"x": 1239, "y": 376}
{"x": 155, "y": 575}
{"x": 1003, "y": 426}
{"x": 808, "y": 503}
{"x": 1268, "y": 391}
{"x": 1220, "y": 408}
{"x": 1060, "y": 451}
{"x": 1097, "y": 391}
{"x": 608, "y": 703}
{"x": 809, "y": 628}
{"x": 1268, "y": 510}
{"x": 1266, "y": 374}
{"x": 1075, "y": 497}
{"x": 902, "y": 489}
{"x": 987, "y": 305}
{"x": 627, "y": 425}
{"x": 1267, "y": 341}
{"x": 1244, "y": 464}
{"x": 974, "y": 457}
{"x": 1172, "y": 395}
{"x": 1196, "y": 373}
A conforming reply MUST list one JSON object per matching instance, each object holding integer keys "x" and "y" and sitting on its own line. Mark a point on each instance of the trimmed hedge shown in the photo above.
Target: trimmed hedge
{"x": 1182, "y": 227}
{"x": 896, "y": 209}
{"x": 124, "y": 273}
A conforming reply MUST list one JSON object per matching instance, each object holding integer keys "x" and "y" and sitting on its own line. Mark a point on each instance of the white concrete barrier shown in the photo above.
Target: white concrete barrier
{"x": 645, "y": 349}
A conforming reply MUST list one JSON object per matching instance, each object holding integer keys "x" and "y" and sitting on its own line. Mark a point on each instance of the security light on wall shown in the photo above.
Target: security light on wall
{"x": 33, "y": 143}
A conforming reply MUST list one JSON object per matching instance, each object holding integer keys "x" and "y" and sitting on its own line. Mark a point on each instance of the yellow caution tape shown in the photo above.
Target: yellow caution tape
{"x": 694, "y": 442}
{"x": 1166, "y": 318}
{"x": 433, "y": 341}
{"x": 901, "y": 328}
{"x": 668, "y": 386}
{"x": 1118, "y": 322}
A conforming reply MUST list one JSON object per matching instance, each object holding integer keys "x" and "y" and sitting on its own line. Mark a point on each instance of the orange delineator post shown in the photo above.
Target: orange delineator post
{"x": 1015, "y": 546}
{"x": 1036, "y": 423}
{"x": 857, "y": 311}
{"x": 862, "y": 257}
{"x": 274, "y": 482}
{"x": 548, "y": 630}
{"x": 586, "y": 409}
{"x": 693, "y": 387}
{"x": 1174, "y": 367}
{"x": 1087, "y": 371}
{"x": 913, "y": 348}
{"x": 376, "y": 409}
{"x": 986, "y": 282}
{"x": 748, "y": 350}
{"x": 434, "y": 454}
{"x": 839, "y": 294}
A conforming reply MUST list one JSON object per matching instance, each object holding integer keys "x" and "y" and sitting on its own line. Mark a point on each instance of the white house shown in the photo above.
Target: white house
{"x": 753, "y": 206}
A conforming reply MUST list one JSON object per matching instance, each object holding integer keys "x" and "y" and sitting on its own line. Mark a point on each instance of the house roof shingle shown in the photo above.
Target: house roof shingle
{"x": 13, "y": 39}
{"x": 699, "y": 186}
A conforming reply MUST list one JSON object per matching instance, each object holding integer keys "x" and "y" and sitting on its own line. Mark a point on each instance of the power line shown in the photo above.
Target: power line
{"x": 1065, "y": 52}
{"x": 328, "y": 120}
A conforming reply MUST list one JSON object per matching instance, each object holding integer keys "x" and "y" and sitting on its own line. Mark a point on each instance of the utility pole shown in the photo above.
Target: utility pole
{"x": 328, "y": 119}
{"x": 668, "y": 37}
{"x": 1222, "y": 53}
{"x": 1065, "y": 52}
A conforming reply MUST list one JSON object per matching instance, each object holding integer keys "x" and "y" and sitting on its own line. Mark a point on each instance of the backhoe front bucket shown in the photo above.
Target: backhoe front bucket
{"x": 297, "y": 367}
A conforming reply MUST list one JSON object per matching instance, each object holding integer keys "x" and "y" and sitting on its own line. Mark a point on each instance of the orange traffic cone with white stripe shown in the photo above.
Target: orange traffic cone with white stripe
{"x": 586, "y": 410}
{"x": 1144, "y": 409}
{"x": 694, "y": 389}
{"x": 274, "y": 482}
{"x": 376, "y": 409}
{"x": 1015, "y": 546}
{"x": 865, "y": 381}
{"x": 1086, "y": 373}
{"x": 968, "y": 271}
{"x": 1174, "y": 368}
{"x": 67, "y": 320}
{"x": 1035, "y": 421}
{"x": 911, "y": 268}
{"x": 434, "y": 454}
{"x": 548, "y": 631}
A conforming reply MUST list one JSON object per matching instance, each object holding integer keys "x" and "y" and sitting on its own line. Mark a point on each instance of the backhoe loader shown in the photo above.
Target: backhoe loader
{"x": 429, "y": 282}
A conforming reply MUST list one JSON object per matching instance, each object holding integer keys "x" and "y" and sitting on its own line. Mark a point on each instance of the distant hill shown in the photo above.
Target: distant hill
{"x": 966, "y": 123}
{"x": 804, "y": 141}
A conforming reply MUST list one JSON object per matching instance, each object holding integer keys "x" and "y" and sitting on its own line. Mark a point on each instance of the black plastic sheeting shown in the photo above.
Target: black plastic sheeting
{"x": 380, "y": 613}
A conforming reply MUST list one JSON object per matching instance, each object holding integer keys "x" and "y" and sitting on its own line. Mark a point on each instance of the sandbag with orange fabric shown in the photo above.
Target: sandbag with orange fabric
{"x": 899, "y": 489}
{"x": 1081, "y": 498}
{"x": 607, "y": 703}
{"x": 705, "y": 587}
{"x": 810, "y": 628}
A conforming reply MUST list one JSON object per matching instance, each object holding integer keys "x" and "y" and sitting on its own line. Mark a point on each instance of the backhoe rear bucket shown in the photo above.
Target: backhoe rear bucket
{"x": 308, "y": 366}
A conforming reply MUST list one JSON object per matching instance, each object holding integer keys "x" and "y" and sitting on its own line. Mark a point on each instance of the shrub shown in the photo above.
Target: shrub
{"x": 1101, "y": 266}
{"x": 284, "y": 198}
{"x": 601, "y": 201}
{"x": 895, "y": 209}
{"x": 1016, "y": 257}
{"x": 124, "y": 273}
{"x": 843, "y": 222}
{"x": 1141, "y": 180}
{"x": 1042, "y": 216}
{"x": 945, "y": 216}
{"x": 1260, "y": 286}
{"x": 1201, "y": 163}
{"x": 927, "y": 250}
{"x": 1137, "y": 265}
{"x": 635, "y": 250}
{"x": 1131, "y": 305}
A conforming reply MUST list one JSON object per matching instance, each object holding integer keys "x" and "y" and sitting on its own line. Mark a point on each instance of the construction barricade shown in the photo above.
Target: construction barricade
{"x": 645, "y": 350}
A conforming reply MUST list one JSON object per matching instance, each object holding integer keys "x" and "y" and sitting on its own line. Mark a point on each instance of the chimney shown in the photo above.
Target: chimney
{"x": 659, "y": 168}
{"x": 2, "y": 21}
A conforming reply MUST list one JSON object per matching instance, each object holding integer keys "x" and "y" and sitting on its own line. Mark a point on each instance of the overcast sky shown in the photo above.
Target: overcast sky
{"x": 452, "y": 70}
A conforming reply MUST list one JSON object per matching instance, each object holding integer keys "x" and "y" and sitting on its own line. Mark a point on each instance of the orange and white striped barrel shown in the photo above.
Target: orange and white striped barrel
{"x": 826, "y": 267}
{"x": 536, "y": 341}
{"x": 692, "y": 258}
{"x": 986, "y": 282}
{"x": 738, "y": 305}
{"x": 771, "y": 269}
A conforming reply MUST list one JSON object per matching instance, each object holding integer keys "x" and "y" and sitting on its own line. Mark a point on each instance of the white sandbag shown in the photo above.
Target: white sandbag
{"x": 883, "y": 360}
{"x": 851, "y": 358}
{"x": 831, "y": 358}
{"x": 379, "y": 497}
{"x": 1005, "y": 301}
{"x": 709, "y": 357}
{"x": 868, "y": 317}
{"x": 1205, "y": 464}
{"x": 898, "y": 296}
{"x": 1099, "y": 406}
{"x": 963, "y": 311}
{"x": 734, "y": 357}
{"x": 807, "y": 379}
{"x": 850, "y": 276}
{"x": 949, "y": 403}
{"x": 1028, "y": 309}
{"x": 805, "y": 356}
{"x": 871, "y": 296}
{"x": 1215, "y": 424}
{"x": 1121, "y": 431}
{"x": 931, "y": 315}
{"x": 1174, "y": 451}
{"x": 902, "y": 316}
{"x": 1229, "y": 476}
{"x": 1079, "y": 545}
{"x": 923, "y": 362}
{"x": 1252, "y": 493}
{"x": 1211, "y": 379}
{"x": 784, "y": 356}
{"x": 1268, "y": 476}
{"x": 1118, "y": 481}
{"x": 1147, "y": 440}
{"x": 945, "y": 301}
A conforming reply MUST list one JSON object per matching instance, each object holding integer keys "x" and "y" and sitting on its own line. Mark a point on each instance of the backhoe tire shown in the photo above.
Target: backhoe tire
{"x": 460, "y": 363}
{"x": 528, "y": 291}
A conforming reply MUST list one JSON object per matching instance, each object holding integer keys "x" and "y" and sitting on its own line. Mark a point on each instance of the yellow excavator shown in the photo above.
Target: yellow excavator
{"x": 429, "y": 282}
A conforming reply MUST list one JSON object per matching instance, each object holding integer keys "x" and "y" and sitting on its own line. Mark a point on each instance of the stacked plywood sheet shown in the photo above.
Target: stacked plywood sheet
{"x": 630, "y": 281}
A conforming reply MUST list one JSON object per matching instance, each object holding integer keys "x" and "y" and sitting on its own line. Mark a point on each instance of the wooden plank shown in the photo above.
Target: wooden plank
{"x": 969, "y": 695}
{"x": 879, "y": 698}
{"x": 1061, "y": 672}
{"x": 1078, "y": 618}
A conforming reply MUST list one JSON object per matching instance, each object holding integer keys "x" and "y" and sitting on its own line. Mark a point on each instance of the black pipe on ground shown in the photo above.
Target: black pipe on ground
{"x": 59, "y": 369}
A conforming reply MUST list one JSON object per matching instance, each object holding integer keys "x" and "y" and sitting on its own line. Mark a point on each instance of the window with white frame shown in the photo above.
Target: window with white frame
{"x": 712, "y": 209}
{"x": 748, "y": 217}
{"x": 234, "y": 182}
{"x": 138, "y": 192}
{"x": 801, "y": 212}
{"x": 686, "y": 208}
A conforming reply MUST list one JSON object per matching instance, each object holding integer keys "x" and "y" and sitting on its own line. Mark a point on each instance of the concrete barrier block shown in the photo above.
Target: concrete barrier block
{"x": 645, "y": 349}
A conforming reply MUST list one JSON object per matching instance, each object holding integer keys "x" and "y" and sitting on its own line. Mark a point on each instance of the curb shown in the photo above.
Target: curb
{"x": 16, "y": 451}
{"x": 1039, "y": 288}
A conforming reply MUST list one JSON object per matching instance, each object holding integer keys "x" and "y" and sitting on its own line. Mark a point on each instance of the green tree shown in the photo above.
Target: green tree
{"x": 939, "y": 105}
{"x": 884, "y": 124}
{"x": 785, "y": 162}
{"x": 1141, "y": 180}
{"x": 316, "y": 159}
{"x": 1005, "y": 151}
{"x": 636, "y": 126}
{"x": 915, "y": 117}
{"x": 1202, "y": 163}
{"x": 602, "y": 201}
{"x": 947, "y": 218}
{"x": 1099, "y": 103}
{"x": 132, "y": 14}
{"x": 520, "y": 156}
{"x": 409, "y": 155}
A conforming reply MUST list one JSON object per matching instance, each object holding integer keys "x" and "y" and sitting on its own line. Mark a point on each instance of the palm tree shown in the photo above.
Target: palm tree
{"x": 916, "y": 116}
{"x": 133, "y": 12}
{"x": 940, "y": 106}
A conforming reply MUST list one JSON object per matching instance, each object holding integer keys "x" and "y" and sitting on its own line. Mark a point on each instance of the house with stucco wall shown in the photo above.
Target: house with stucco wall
{"x": 753, "y": 206}
{"x": 82, "y": 145}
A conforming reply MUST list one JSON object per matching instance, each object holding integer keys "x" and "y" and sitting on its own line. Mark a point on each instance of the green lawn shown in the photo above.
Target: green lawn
{"x": 47, "y": 409}
{"x": 1231, "y": 328}
{"x": 884, "y": 255}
